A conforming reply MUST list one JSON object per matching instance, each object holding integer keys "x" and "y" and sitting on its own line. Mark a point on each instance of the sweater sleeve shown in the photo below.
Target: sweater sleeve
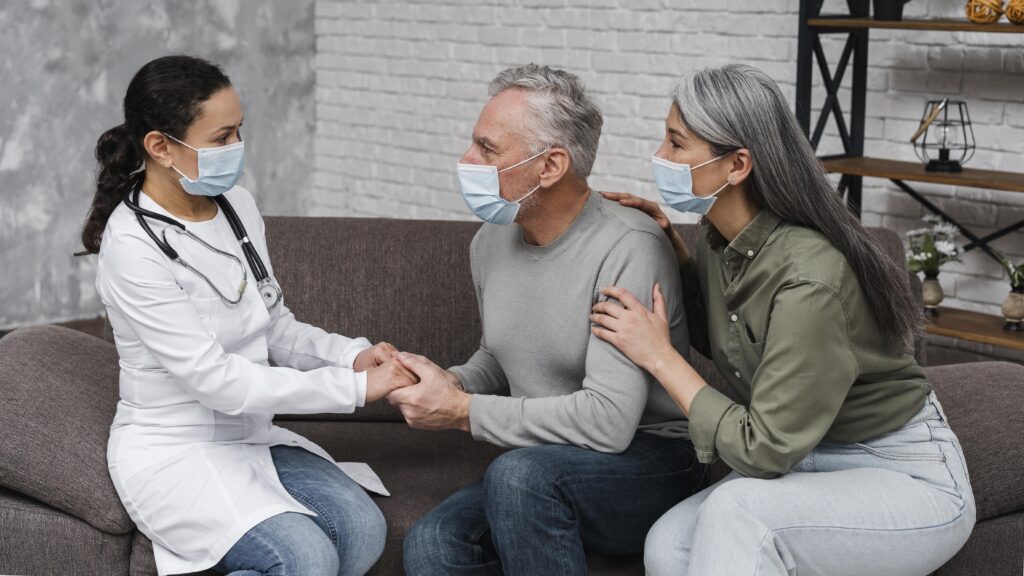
{"x": 604, "y": 414}
{"x": 805, "y": 375}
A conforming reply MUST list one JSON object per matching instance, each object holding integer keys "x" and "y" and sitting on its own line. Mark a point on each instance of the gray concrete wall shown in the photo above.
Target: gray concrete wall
{"x": 64, "y": 68}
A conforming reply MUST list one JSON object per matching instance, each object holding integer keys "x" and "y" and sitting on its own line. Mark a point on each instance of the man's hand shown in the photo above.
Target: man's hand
{"x": 437, "y": 402}
{"x": 386, "y": 378}
{"x": 374, "y": 356}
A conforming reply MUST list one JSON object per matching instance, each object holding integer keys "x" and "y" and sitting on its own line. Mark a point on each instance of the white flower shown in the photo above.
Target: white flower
{"x": 946, "y": 247}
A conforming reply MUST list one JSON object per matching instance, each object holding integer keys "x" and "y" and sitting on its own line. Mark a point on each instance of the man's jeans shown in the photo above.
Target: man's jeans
{"x": 899, "y": 504}
{"x": 345, "y": 538}
{"x": 537, "y": 508}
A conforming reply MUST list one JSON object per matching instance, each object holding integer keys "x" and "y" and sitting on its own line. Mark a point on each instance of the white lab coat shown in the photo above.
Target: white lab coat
{"x": 189, "y": 449}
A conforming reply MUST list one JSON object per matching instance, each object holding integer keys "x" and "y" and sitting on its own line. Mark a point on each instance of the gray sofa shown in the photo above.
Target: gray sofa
{"x": 407, "y": 282}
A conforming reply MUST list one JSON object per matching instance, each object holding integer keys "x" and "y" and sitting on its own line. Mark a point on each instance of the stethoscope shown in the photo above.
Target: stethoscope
{"x": 269, "y": 290}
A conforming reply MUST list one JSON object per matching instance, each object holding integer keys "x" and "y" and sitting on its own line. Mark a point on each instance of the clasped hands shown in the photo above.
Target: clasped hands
{"x": 429, "y": 397}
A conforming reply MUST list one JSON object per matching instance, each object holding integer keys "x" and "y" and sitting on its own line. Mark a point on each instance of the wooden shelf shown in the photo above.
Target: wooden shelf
{"x": 975, "y": 327}
{"x": 933, "y": 25}
{"x": 915, "y": 172}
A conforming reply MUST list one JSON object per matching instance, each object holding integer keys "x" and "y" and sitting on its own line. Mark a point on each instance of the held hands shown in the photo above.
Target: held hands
{"x": 641, "y": 334}
{"x": 386, "y": 378}
{"x": 374, "y": 356}
{"x": 653, "y": 210}
{"x": 437, "y": 402}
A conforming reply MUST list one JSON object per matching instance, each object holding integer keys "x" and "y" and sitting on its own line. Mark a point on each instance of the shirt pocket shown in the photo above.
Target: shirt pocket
{"x": 751, "y": 345}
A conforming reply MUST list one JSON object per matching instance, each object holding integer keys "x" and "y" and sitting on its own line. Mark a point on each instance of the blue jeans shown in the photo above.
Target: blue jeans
{"x": 538, "y": 508}
{"x": 346, "y": 537}
{"x": 900, "y": 504}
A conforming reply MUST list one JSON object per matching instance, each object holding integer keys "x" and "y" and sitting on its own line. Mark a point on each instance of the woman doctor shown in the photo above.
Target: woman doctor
{"x": 186, "y": 280}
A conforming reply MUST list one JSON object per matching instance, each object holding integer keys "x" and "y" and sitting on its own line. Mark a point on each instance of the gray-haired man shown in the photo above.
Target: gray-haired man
{"x": 601, "y": 451}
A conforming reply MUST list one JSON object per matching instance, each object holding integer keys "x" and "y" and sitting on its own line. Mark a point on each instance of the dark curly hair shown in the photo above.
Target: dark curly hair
{"x": 164, "y": 95}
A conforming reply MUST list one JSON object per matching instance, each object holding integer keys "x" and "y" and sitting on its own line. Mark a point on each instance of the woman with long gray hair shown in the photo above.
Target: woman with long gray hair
{"x": 843, "y": 461}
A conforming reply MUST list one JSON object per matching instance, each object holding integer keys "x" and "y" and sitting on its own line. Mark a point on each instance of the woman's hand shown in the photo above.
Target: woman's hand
{"x": 374, "y": 356}
{"x": 641, "y": 334}
{"x": 653, "y": 210}
{"x": 386, "y": 378}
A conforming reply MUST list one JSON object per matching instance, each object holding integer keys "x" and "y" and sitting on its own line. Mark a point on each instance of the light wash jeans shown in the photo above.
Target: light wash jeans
{"x": 345, "y": 538}
{"x": 899, "y": 504}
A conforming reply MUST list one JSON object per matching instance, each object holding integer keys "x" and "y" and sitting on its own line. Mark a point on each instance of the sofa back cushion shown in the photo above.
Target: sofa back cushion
{"x": 404, "y": 281}
{"x": 58, "y": 394}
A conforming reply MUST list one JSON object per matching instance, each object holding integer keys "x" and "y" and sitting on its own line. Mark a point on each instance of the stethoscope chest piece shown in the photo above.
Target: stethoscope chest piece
{"x": 269, "y": 291}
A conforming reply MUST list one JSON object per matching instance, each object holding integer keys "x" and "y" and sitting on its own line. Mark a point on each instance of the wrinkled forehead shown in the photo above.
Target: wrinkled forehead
{"x": 506, "y": 120}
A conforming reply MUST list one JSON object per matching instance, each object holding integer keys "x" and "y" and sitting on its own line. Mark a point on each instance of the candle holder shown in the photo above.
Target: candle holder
{"x": 945, "y": 140}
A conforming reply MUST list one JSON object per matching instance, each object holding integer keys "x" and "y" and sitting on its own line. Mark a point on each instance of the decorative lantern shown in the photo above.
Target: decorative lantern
{"x": 945, "y": 139}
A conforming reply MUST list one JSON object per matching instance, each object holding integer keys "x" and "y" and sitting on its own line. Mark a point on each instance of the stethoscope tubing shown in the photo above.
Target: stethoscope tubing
{"x": 263, "y": 280}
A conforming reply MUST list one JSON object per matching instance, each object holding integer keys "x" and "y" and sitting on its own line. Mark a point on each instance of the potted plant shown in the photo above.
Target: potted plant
{"x": 1013, "y": 306}
{"x": 930, "y": 248}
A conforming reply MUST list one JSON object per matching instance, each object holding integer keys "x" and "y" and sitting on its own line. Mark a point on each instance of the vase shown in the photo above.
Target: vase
{"x": 1013, "y": 310}
{"x": 891, "y": 10}
{"x": 931, "y": 295}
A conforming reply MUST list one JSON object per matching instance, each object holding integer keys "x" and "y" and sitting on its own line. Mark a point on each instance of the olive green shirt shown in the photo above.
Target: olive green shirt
{"x": 783, "y": 317}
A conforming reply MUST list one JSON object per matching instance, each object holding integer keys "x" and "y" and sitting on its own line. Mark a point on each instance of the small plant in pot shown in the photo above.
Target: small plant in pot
{"x": 1013, "y": 306}
{"x": 930, "y": 248}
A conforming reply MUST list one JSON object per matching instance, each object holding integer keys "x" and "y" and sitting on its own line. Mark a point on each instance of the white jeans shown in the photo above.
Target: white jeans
{"x": 900, "y": 504}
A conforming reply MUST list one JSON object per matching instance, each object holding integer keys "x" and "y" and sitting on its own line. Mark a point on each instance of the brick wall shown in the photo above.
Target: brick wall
{"x": 400, "y": 84}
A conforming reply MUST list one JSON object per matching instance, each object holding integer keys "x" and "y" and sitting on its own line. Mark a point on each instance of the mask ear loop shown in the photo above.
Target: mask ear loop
{"x": 530, "y": 193}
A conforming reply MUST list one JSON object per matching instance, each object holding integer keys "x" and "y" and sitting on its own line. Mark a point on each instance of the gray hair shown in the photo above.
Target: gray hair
{"x": 563, "y": 113}
{"x": 739, "y": 106}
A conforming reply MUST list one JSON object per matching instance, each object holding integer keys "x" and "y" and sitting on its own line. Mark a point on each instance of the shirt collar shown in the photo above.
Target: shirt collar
{"x": 750, "y": 240}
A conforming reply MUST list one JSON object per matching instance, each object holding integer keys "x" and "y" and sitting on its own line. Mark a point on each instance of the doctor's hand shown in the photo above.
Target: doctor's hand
{"x": 386, "y": 378}
{"x": 374, "y": 356}
{"x": 653, "y": 210}
{"x": 437, "y": 402}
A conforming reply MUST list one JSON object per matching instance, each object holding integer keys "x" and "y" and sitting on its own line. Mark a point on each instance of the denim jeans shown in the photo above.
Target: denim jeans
{"x": 899, "y": 504}
{"x": 346, "y": 537}
{"x": 538, "y": 508}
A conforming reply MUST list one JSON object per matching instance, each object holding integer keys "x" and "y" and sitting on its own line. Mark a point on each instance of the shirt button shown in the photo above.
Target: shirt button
{"x": 750, "y": 253}
{"x": 737, "y": 374}
{"x": 734, "y": 317}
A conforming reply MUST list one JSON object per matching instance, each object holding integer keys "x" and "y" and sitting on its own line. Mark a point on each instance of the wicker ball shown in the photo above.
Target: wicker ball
{"x": 1015, "y": 11}
{"x": 984, "y": 11}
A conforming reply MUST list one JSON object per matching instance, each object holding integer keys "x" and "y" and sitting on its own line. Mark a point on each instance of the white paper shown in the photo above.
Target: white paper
{"x": 364, "y": 476}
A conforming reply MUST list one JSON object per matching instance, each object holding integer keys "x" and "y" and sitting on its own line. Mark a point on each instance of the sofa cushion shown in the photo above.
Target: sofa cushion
{"x": 58, "y": 394}
{"x": 38, "y": 539}
{"x": 409, "y": 284}
{"x": 983, "y": 402}
{"x": 404, "y": 281}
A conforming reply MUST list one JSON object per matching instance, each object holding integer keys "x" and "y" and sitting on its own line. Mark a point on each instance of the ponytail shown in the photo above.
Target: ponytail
{"x": 119, "y": 156}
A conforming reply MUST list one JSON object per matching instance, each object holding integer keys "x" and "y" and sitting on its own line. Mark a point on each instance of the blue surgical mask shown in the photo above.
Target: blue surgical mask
{"x": 219, "y": 169}
{"x": 675, "y": 182}
{"x": 481, "y": 191}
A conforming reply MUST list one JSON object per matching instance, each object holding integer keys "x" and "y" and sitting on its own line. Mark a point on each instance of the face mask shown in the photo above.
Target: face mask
{"x": 481, "y": 191}
{"x": 219, "y": 169}
{"x": 676, "y": 186}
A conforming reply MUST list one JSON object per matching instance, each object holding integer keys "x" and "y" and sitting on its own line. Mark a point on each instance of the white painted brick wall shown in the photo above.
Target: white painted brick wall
{"x": 400, "y": 84}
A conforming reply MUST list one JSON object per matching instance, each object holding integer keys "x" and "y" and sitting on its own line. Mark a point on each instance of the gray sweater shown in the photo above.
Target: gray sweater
{"x": 540, "y": 375}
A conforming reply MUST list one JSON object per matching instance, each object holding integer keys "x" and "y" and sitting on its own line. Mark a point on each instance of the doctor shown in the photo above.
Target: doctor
{"x": 198, "y": 319}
